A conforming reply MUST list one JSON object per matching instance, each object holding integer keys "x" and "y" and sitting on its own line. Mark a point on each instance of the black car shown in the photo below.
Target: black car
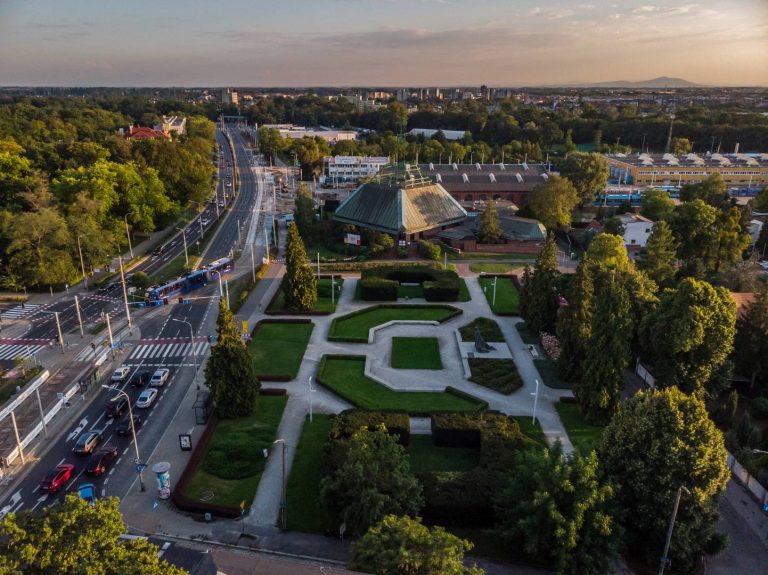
{"x": 124, "y": 429}
{"x": 141, "y": 379}
{"x": 116, "y": 408}
{"x": 101, "y": 461}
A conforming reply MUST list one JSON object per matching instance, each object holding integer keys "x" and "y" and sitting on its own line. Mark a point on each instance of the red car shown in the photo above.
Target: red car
{"x": 57, "y": 478}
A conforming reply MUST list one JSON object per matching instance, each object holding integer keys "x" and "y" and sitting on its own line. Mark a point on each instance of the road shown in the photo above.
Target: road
{"x": 165, "y": 343}
{"x": 42, "y": 328}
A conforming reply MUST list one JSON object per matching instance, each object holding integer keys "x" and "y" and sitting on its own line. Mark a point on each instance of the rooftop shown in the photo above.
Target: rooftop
{"x": 692, "y": 160}
{"x": 486, "y": 177}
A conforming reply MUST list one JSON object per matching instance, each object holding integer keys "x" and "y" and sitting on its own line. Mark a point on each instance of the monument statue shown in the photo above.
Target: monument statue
{"x": 481, "y": 345}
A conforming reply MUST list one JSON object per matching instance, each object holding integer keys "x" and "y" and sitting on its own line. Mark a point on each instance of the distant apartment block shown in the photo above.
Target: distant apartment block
{"x": 229, "y": 96}
{"x": 297, "y": 132}
{"x": 737, "y": 170}
{"x": 337, "y": 169}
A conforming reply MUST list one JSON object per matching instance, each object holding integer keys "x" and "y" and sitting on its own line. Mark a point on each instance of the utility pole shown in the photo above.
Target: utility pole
{"x": 109, "y": 332}
{"x": 82, "y": 265}
{"x": 669, "y": 135}
{"x": 128, "y": 233}
{"x": 253, "y": 265}
{"x": 58, "y": 329}
{"x": 79, "y": 319}
{"x": 284, "y": 501}
{"x": 125, "y": 297}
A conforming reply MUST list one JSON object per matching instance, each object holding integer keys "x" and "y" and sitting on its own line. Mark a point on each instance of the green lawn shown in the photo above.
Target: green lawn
{"x": 464, "y": 295}
{"x": 425, "y": 456}
{"x": 355, "y": 326}
{"x": 548, "y": 372}
{"x": 344, "y": 376}
{"x": 531, "y": 429}
{"x": 278, "y": 348}
{"x": 507, "y": 298}
{"x": 232, "y": 466}
{"x": 583, "y": 435}
{"x": 489, "y": 329}
{"x": 304, "y": 510}
{"x": 497, "y": 374}
{"x": 324, "y": 303}
{"x": 525, "y": 334}
{"x": 416, "y": 353}
{"x": 490, "y": 256}
{"x": 493, "y": 267}
{"x": 173, "y": 269}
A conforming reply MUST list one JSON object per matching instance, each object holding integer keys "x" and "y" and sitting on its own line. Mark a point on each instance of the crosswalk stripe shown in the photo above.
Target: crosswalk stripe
{"x": 176, "y": 347}
{"x": 145, "y": 352}
{"x": 166, "y": 350}
{"x": 200, "y": 347}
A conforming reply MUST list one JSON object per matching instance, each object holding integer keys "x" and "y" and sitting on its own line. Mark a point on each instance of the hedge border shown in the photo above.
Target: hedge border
{"x": 272, "y": 312}
{"x": 330, "y": 337}
{"x": 481, "y": 404}
{"x": 177, "y": 493}
{"x": 257, "y": 327}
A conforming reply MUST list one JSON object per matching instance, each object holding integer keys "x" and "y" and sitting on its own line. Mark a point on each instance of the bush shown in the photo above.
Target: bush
{"x": 760, "y": 407}
{"x": 378, "y": 289}
{"x": 347, "y": 422}
{"x": 429, "y": 250}
{"x": 444, "y": 289}
{"x": 402, "y": 253}
{"x": 453, "y": 498}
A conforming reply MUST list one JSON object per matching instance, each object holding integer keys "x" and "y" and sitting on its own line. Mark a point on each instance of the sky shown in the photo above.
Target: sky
{"x": 380, "y": 42}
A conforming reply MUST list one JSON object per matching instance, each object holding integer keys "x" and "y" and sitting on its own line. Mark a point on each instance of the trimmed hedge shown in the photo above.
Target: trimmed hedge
{"x": 346, "y": 423}
{"x": 454, "y": 498}
{"x": 273, "y": 391}
{"x": 429, "y": 250}
{"x": 380, "y": 284}
{"x": 331, "y": 331}
{"x": 459, "y": 429}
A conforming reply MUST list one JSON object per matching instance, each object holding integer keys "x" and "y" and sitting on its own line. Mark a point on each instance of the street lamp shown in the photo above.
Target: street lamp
{"x": 120, "y": 392}
{"x": 284, "y": 502}
{"x": 184, "y": 237}
{"x": 192, "y": 343}
{"x": 128, "y": 232}
{"x": 82, "y": 265}
{"x": 311, "y": 391}
{"x": 535, "y": 395}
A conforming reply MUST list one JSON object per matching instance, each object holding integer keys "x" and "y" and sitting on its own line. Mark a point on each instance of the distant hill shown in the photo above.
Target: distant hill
{"x": 660, "y": 82}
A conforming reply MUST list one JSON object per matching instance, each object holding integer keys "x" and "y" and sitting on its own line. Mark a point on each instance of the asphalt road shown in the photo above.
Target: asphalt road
{"x": 164, "y": 343}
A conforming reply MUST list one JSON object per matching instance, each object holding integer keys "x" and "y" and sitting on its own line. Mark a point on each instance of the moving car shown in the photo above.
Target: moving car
{"x": 120, "y": 374}
{"x": 116, "y": 407}
{"x": 147, "y": 398}
{"x": 205, "y": 221}
{"x": 101, "y": 461}
{"x": 124, "y": 429}
{"x": 140, "y": 379}
{"x": 88, "y": 442}
{"x": 159, "y": 377}
{"x": 57, "y": 478}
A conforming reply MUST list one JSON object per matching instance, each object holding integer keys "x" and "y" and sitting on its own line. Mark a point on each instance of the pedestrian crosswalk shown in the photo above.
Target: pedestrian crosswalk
{"x": 20, "y": 311}
{"x": 9, "y": 352}
{"x": 154, "y": 349}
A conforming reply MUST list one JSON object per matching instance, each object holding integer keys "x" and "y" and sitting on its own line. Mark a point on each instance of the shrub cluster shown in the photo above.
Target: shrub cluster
{"x": 381, "y": 283}
{"x": 429, "y": 250}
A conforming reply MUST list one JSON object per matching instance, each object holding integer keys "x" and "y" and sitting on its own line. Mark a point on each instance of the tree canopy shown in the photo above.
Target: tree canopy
{"x": 659, "y": 257}
{"x": 76, "y": 537}
{"x": 539, "y": 296}
{"x": 300, "y": 283}
{"x": 552, "y": 202}
{"x": 489, "y": 231}
{"x": 588, "y": 173}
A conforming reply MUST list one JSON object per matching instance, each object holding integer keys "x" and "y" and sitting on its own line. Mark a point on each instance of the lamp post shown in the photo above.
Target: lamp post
{"x": 184, "y": 238}
{"x": 120, "y": 392}
{"x": 535, "y": 395}
{"x": 128, "y": 232}
{"x": 82, "y": 265}
{"x": 125, "y": 296}
{"x": 284, "y": 502}
{"x": 311, "y": 391}
{"x": 664, "y": 558}
{"x": 494, "y": 291}
{"x": 192, "y": 343}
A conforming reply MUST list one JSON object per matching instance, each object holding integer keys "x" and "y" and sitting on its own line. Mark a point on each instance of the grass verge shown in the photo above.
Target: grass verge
{"x": 548, "y": 372}
{"x": 344, "y": 375}
{"x": 497, "y": 374}
{"x": 232, "y": 466}
{"x": 507, "y": 297}
{"x": 278, "y": 348}
{"x": 490, "y": 256}
{"x": 426, "y": 456}
{"x": 526, "y": 335}
{"x": 489, "y": 329}
{"x": 355, "y": 326}
{"x": 493, "y": 267}
{"x": 8, "y": 386}
{"x": 323, "y": 305}
{"x": 531, "y": 429}
{"x": 416, "y": 353}
{"x": 583, "y": 435}
{"x": 304, "y": 482}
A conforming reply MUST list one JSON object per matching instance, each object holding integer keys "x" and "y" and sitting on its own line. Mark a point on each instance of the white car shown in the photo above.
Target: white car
{"x": 205, "y": 221}
{"x": 221, "y": 204}
{"x": 147, "y": 398}
{"x": 764, "y": 264}
{"x": 120, "y": 374}
{"x": 159, "y": 377}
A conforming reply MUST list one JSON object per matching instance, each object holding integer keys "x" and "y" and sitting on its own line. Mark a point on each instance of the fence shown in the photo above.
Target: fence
{"x": 738, "y": 470}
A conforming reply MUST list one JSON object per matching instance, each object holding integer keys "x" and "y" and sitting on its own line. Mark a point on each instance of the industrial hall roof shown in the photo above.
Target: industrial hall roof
{"x": 399, "y": 199}
{"x": 488, "y": 178}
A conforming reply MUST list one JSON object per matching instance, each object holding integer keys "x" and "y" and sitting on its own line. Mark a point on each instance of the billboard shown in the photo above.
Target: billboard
{"x": 352, "y": 239}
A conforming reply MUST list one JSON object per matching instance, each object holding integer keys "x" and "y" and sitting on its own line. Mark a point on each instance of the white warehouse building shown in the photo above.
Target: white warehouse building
{"x": 337, "y": 169}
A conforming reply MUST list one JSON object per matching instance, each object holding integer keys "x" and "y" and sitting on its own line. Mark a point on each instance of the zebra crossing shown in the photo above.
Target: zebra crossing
{"x": 168, "y": 348}
{"x": 10, "y": 351}
{"x": 19, "y": 311}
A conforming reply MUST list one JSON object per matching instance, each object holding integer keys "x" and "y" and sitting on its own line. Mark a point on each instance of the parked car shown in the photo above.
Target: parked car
{"x": 159, "y": 377}
{"x": 88, "y": 442}
{"x": 140, "y": 379}
{"x": 101, "y": 461}
{"x": 57, "y": 478}
{"x": 116, "y": 407}
{"x": 147, "y": 398}
{"x": 120, "y": 374}
{"x": 124, "y": 429}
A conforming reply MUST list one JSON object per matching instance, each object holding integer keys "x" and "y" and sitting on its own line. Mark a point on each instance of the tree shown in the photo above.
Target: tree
{"x": 761, "y": 201}
{"x": 657, "y": 442}
{"x": 373, "y": 481}
{"x": 751, "y": 343}
{"x": 490, "y": 229}
{"x": 588, "y": 172}
{"x": 140, "y": 281}
{"x": 614, "y": 226}
{"x": 76, "y": 537}
{"x": 660, "y": 254}
{"x": 657, "y": 205}
{"x": 552, "y": 202}
{"x": 689, "y": 335}
{"x": 575, "y": 325}
{"x": 559, "y": 510}
{"x": 229, "y": 372}
{"x": 732, "y": 240}
{"x": 270, "y": 142}
{"x": 300, "y": 284}
{"x": 693, "y": 225}
{"x": 711, "y": 190}
{"x": 539, "y": 297}
{"x": 681, "y": 146}
{"x": 304, "y": 212}
{"x": 404, "y": 546}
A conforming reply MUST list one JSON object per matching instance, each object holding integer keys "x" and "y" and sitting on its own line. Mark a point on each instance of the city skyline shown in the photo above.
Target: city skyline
{"x": 381, "y": 43}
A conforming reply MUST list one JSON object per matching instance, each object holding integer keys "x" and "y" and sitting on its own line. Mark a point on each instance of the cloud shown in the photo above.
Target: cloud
{"x": 551, "y": 13}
